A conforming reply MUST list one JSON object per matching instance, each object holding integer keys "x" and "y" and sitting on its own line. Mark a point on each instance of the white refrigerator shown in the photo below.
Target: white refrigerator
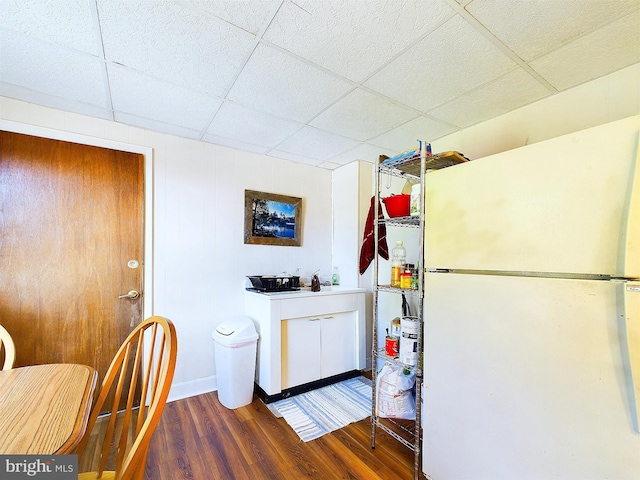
{"x": 532, "y": 312}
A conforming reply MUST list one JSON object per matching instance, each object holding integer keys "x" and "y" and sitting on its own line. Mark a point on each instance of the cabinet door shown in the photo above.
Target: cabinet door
{"x": 300, "y": 351}
{"x": 339, "y": 341}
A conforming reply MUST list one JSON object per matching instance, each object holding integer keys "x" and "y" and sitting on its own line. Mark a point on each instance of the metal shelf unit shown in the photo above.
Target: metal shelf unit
{"x": 411, "y": 166}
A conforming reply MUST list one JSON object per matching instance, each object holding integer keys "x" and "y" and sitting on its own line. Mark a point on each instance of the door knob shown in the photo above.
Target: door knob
{"x": 131, "y": 294}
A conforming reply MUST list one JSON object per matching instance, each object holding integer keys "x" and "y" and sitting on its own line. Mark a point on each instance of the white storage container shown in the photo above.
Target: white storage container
{"x": 409, "y": 340}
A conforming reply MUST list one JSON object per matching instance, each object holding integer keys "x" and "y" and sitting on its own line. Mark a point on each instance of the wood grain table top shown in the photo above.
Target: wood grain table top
{"x": 44, "y": 409}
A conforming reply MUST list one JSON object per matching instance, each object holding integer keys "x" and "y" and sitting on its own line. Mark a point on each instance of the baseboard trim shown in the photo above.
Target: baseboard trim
{"x": 289, "y": 392}
{"x": 192, "y": 388}
{"x": 199, "y": 386}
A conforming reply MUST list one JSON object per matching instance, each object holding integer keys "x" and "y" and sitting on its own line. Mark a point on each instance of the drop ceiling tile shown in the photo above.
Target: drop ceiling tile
{"x": 48, "y": 69}
{"x": 353, "y": 38}
{"x": 8, "y": 90}
{"x": 452, "y": 60}
{"x": 363, "y": 152}
{"x": 243, "y": 145}
{"x": 249, "y": 16}
{"x": 155, "y": 125}
{"x": 168, "y": 41}
{"x": 284, "y": 86}
{"x": 313, "y": 143}
{"x": 147, "y": 97}
{"x": 532, "y": 28}
{"x": 362, "y": 115}
{"x": 405, "y": 137}
{"x": 511, "y": 91}
{"x": 295, "y": 157}
{"x": 329, "y": 165}
{"x": 234, "y": 121}
{"x": 67, "y": 24}
{"x": 611, "y": 48}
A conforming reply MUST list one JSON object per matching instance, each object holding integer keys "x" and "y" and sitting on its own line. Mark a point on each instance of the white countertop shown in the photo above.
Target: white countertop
{"x": 306, "y": 292}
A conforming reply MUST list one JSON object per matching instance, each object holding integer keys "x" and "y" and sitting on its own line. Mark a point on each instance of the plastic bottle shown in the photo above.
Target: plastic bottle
{"x": 335, "y": 278}
{"x": 399, "y": 256}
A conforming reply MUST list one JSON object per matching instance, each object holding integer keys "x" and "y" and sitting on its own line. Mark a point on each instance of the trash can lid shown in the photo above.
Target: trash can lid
{"x": 235, "y": 330}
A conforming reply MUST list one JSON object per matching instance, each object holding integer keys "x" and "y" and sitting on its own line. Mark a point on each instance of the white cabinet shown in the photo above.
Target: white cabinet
{"x": 300, "y": 351}
{"x": 338, "y": 344}
{"x": 317, "y": 347}
{"x": 307, "y": 336}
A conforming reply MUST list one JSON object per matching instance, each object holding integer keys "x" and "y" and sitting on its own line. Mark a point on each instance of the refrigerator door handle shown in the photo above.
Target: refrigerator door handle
{"x": 632, "y": 227}
{"x": 632, "y": 323}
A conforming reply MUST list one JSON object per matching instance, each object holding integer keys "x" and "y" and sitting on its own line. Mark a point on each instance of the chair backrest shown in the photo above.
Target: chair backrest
{"x": 7, "y": 345}
{"x": 142, "y": 372}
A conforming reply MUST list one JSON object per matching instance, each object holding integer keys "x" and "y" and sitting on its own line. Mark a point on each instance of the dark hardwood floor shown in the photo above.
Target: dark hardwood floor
{"x": 198, "y": 438}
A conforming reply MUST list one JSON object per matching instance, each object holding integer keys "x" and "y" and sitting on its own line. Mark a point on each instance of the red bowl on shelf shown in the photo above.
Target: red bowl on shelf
{"x": 397, "y": 205}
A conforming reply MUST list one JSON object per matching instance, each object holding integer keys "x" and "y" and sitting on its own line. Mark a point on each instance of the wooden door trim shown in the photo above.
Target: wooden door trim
{"x": 147, "y": 152}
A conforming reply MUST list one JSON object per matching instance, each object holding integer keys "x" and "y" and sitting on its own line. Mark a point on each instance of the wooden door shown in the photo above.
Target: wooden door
{"x": 71, "y": 242}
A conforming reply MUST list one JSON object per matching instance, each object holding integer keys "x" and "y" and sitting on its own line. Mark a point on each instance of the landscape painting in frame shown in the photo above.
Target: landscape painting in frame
{"x": 272, "y": 219}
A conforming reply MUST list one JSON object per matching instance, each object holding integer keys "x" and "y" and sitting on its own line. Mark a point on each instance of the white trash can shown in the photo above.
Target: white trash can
{"x": 236, "y": 342}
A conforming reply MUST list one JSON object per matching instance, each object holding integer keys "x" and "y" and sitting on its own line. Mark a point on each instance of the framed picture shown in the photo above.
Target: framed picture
{"x": 271, "y": 219}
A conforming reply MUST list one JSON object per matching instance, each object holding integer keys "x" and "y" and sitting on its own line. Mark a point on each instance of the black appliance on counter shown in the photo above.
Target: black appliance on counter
{"x": 274, "y": 283}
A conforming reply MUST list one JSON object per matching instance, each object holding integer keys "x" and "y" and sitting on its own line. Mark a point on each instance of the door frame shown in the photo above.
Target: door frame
{"x": 147, "y": 152}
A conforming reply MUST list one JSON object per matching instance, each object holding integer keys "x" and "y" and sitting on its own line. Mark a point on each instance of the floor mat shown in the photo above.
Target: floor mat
{"x": 314, "y": 413}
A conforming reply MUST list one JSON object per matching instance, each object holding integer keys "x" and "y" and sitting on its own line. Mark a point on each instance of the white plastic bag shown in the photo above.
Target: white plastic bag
{"x": 395, "y": 398}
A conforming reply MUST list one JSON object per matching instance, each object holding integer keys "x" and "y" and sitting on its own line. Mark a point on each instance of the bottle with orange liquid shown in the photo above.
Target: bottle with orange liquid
{"x": 399, "y": 257}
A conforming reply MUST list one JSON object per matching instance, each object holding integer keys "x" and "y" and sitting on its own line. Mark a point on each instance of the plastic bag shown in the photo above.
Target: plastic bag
{"x": 395, "y": 392}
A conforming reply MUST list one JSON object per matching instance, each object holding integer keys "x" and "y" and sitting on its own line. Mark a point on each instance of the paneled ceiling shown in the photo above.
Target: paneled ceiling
{"x": 312, "y": 81}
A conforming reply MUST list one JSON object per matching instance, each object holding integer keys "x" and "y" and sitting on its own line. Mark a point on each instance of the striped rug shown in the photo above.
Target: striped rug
{"x": 314, "y": 413}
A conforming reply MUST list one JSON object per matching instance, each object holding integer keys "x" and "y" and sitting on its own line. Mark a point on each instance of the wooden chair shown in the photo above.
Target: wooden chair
{"x": 135, "y": 375}
{"x": 9, "y": 349}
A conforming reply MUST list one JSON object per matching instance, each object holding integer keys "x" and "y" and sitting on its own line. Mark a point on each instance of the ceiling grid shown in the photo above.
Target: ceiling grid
{"x": 318, "y": 82}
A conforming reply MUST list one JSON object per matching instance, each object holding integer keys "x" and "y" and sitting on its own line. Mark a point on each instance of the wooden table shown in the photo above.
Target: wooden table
{"x": 44, "y": 409}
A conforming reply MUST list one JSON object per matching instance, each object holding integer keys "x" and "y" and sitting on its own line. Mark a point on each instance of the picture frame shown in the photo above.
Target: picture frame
{"x": 272, "y": 219}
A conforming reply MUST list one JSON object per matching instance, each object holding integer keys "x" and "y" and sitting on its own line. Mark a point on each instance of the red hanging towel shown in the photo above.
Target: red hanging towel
{"x": 367, "y": 251}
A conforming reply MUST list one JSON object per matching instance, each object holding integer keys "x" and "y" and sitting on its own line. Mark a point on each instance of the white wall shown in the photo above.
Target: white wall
{"x": 352, "y": 191}
{"x": 199, "y": 256}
